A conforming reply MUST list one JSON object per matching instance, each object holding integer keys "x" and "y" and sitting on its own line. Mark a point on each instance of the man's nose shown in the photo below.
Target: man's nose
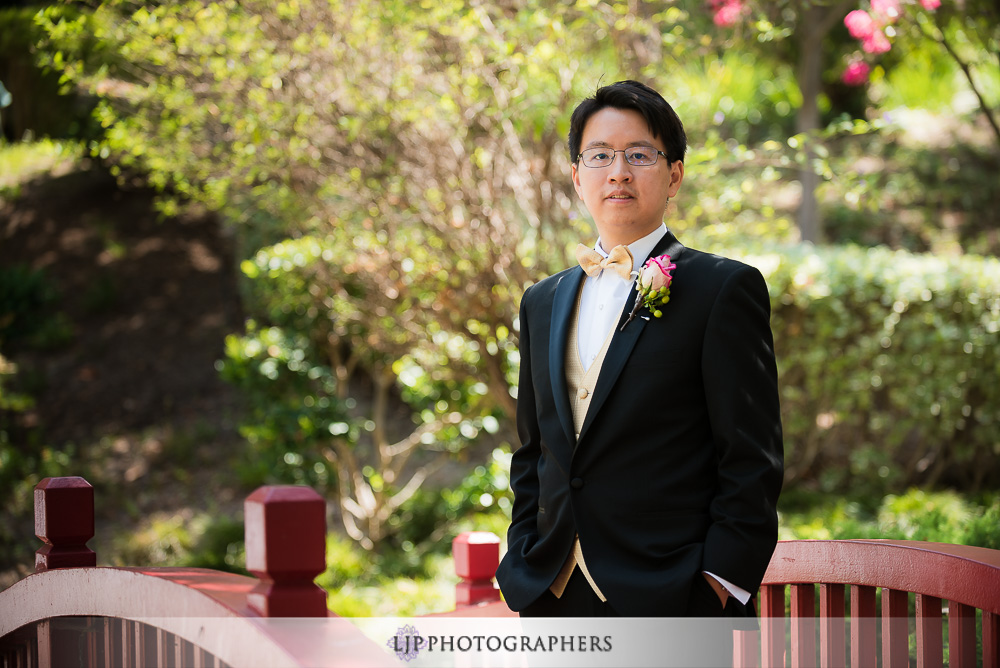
{"x": 620, "y": 170}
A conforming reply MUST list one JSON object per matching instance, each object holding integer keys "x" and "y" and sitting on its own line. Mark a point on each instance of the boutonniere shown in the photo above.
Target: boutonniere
{"x": 653, "y": 283}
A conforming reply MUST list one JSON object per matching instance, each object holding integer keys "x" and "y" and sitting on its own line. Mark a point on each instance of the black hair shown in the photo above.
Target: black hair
{"x": 661, "y": 118}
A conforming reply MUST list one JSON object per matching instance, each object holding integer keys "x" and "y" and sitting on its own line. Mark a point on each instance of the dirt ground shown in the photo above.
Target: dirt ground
{"x": 149, "y": 302}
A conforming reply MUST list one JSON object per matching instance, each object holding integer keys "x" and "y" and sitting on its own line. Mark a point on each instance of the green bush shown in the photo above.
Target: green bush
{"x": 887, "y": 367}
{"x": 26, "y": 315}
{"x": 937, "y": 517}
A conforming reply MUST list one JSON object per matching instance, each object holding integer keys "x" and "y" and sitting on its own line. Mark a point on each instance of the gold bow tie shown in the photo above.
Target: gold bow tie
{"x": 619, "y": 260}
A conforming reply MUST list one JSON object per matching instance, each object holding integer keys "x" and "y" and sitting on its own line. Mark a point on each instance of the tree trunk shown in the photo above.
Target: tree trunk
{"x": 809, "y": 75}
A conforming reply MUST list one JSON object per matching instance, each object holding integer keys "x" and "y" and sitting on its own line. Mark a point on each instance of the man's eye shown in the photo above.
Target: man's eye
{"x": 599, "y": 155}
{"x": 641, "y": 155}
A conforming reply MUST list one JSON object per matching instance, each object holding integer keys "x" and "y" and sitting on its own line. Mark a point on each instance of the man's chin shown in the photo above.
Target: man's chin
{"x": 623, "y": 230}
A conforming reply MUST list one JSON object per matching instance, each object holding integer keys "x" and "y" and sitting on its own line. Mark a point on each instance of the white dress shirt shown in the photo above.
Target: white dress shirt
{"x": 601, "y": 306}
{"x": 604, "y": 297}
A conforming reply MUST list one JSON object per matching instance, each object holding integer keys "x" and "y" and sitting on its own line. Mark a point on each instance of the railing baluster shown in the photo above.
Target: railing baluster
{"x": 179, "y": 652}
{"x": 991, "y": 639}
{"x": 961, "y": 635}
{"x": 746, "y": 649}
{"x": 803, "y": 625}
{"x": 110, "y": 655}
{"x": 44, "y": 635}
{"x": 772, "y": 625}
{"x": 128, "y": 644}
{"x": 94, "y": 641}
{"x": 895, "y": 630}
{"x": 832, "y": 637}
{"x": 163, "y": 648}
{"x": 930, "y": 647}
{"x": 863, "y": 626}
{"x": 106, "y": 642}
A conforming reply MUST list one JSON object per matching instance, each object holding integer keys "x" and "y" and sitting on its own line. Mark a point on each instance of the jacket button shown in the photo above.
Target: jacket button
{"x": 576, "y": 483}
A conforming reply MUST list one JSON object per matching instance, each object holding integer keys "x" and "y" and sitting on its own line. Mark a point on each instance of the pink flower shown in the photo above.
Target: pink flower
{"x": 860, "y": 24}
{"x": 877, "y": 42}
{"x": 888, "y": 9}
{"x": 656, "y": 273}
{"x": 726, "y": 12}
{"x": 856, "y": 73}
{"x": 653, "y": 286}
{"x": 930, "y": 5}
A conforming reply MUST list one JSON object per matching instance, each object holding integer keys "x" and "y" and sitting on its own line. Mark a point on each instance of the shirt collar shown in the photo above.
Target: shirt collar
{"x": 640, "y": 248}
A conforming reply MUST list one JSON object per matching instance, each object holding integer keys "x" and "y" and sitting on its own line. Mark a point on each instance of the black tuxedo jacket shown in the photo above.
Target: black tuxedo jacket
{"x": 679, "y": 463}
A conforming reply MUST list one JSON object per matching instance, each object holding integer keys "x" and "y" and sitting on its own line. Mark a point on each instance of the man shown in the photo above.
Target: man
{"x": 651, "y": 455}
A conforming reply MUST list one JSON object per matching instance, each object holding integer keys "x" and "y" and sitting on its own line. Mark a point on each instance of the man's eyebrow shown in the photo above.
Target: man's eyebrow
{"x": 604, "y": 144}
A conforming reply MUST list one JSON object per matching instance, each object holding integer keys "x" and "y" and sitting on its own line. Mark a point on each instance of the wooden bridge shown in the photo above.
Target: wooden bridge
{"x": 823, "y": 603}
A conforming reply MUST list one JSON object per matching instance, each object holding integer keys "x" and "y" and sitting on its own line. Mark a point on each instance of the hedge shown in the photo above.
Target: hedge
{"x": 888, "y": 364}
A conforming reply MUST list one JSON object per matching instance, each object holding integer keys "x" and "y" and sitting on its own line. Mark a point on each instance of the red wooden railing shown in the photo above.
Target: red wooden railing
{"x": 71, "y": 613}
{"x": 848, "y": 575}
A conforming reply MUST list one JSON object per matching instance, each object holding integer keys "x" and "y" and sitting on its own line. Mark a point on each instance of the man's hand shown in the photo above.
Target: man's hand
{"x": 717, "y": 587}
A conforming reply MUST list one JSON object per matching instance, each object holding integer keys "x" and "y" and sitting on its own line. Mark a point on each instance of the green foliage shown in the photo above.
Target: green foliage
{"x": 413, "y": 573}
{"x": 433, "y": 512}
{"x": 945, "y": 51}
{"x": 887, "y": 366}
{"x": 886, "y": 188}
{"x": 731, "y": 194}
{"x": 329, "y": 317}
{"x": 294, "y": 407}
{"x": 747, "y": 102}
{"x": 396, "y": 177}
{"x": 937, "y": 517}
{"x": 398, "y": 596}
{"x": 26, "y": 316}
{"x": 40, "y": 105}
{"x": 181, "y": 540}
{"x": 22, "y": 161}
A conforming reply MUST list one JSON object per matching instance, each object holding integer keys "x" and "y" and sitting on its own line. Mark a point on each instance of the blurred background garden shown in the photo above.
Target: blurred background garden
{"x": 261, "y": 242}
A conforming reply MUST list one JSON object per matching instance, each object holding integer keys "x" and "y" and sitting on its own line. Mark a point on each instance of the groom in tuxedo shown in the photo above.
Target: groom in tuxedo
{"x": 651, "y": 454}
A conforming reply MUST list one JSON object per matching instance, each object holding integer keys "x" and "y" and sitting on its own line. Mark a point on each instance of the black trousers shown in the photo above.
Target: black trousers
{"x": 578, "y": 600}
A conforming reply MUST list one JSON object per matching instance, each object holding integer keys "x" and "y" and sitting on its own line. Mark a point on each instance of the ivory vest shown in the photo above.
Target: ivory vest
{"x": 580, "y": 383}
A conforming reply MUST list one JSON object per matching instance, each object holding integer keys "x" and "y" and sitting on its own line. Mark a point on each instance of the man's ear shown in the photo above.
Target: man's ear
{"x": 575, "y": 172}
{"x": 676, "y": 176}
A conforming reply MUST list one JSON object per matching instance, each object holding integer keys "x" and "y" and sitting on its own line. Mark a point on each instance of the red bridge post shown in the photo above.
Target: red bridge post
{"x": 64, "y": 520}
{"x": 285, "y": 528}
{"x": 476, "y": 555}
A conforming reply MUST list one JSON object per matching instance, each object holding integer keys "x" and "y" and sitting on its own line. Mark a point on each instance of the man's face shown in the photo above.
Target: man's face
{"x": 626, "y": 201}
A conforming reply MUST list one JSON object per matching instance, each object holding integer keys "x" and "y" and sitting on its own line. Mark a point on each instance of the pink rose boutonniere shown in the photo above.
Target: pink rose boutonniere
{"x": 653, "y": 284}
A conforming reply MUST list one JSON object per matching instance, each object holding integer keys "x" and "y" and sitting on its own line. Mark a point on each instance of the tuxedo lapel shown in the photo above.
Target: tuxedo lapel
{"x": 563, "y": 304}
{"x": 624, "y": 340}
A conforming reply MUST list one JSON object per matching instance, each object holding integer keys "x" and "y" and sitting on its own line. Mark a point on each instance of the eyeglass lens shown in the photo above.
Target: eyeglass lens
{"x": 637, "y": 156}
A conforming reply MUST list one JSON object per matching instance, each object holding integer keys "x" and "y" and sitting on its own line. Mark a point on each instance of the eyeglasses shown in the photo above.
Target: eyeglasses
{"x": 637, "y": 156}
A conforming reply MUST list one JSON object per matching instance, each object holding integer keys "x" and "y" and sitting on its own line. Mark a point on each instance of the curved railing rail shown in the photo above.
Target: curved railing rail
{"x": 72, "y": 613}
{"x": 856, "y": 577}
{"x": 826, "y": 603}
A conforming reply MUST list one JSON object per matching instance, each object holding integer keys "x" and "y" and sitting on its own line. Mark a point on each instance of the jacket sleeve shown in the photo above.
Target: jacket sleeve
{"x": 741, "y": 392}
{"x": 523, "y": 531}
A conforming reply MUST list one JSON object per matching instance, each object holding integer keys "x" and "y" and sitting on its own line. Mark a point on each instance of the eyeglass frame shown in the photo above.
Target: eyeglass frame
{"x": 615, "y": 152}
